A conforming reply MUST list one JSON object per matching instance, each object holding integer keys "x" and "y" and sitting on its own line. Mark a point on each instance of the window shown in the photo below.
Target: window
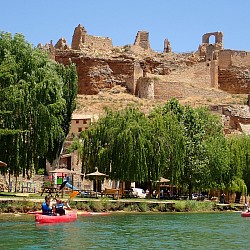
{"x": 79, "y": 130}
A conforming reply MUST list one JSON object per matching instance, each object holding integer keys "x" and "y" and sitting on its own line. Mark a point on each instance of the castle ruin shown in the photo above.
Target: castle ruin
{"x": 100, "y": 65}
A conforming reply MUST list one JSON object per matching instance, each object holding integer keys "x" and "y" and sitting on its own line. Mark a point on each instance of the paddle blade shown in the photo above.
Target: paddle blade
{"x": 73, "y": 194}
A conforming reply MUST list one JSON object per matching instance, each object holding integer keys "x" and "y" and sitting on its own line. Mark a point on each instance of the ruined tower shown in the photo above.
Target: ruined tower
{"x": 142, "y": 40}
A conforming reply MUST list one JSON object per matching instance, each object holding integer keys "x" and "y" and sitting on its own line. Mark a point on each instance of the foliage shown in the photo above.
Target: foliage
{"x": 239, "y": 163}
{"x": 125, "y": 145}
{"x": 37, "y": 99}
{"x": 184, "y": 144}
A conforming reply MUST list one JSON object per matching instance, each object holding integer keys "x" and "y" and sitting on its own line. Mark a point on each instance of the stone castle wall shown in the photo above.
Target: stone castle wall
{"x": 96, "y": 74}
{"x": 240, "y": 59}
{"x": 145, "y": 88}
{"x": 98, "y": 43}
{"x": 82, "y": 40}
{"x": 234, "y": 80}
{"x": 227, "y": 70}
{"x": 233, "y": 58}
{"x": 234, "y": 71}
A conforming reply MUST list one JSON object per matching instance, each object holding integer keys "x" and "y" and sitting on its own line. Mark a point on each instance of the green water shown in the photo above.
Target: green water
{"x": 129, "y": 231}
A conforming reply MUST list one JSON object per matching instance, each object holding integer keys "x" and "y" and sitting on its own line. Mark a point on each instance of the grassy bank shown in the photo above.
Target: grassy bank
{"x": 24, "y": 205}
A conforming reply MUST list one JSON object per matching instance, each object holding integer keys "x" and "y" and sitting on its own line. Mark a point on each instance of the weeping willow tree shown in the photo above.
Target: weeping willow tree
{"x": 173, "y": 141}
{"x": 194, "y": 136}
{"x": 126, "y": 146}
{"x": 169, "y": 117}
{"x": 37, "y": 99}
{"x": 239, "y": 147}
{"x": 218, "y": 170}
{"x": 217, "y": 152}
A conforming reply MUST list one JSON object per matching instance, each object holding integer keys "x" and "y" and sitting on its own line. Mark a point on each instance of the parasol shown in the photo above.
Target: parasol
{"x": 96, "y": 175}
{"x": 3, "y": 164}
{"x": 162, "y": 180}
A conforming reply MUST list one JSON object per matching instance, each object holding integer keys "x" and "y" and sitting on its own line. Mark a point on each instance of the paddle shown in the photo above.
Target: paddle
{"x": 73, "y": 194}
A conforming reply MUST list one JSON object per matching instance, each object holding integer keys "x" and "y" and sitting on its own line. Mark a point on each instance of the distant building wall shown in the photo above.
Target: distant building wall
{"x": 80, "y": 122}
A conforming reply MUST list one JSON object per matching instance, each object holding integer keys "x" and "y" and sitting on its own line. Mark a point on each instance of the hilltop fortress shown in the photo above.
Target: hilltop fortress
{"x": 210, "y": 72}
{"x": 150, "y": 74}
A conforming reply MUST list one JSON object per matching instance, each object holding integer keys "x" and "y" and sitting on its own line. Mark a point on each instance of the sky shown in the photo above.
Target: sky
{"x": 182, "y": 22}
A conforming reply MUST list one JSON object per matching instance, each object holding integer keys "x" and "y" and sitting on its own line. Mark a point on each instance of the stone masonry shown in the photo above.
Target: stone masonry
{"x": 101, "y": 66}
{"x": 81, "y": 39}
{"x": 142, "y": 40}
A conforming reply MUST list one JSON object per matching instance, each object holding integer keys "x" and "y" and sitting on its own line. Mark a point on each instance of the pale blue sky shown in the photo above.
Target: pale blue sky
{"x": 183, "y": 22}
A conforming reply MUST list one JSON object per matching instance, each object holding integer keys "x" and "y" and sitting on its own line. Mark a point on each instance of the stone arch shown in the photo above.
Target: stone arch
{"x": 218, "y": 37}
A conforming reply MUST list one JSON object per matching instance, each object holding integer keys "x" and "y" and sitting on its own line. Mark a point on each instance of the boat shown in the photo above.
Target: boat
{"x": 245, "y": 214}
{"x": 70, "y": 216}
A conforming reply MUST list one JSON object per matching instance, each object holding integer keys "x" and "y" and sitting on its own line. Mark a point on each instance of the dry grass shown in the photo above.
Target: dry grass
{"x": 118, "y": 98}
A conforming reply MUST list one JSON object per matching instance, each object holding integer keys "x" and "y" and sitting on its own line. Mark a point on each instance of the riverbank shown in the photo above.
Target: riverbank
{"x": 23, "y": 204}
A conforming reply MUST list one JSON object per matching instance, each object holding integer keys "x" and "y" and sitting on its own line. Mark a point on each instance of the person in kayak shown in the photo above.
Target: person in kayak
{"x": 46, "y": 208}
{"x": 59, "y": 207}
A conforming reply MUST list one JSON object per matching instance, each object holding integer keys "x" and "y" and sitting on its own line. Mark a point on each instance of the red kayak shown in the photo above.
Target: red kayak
{"x": 245, "y": 214}
{"x": 70, "y": 216}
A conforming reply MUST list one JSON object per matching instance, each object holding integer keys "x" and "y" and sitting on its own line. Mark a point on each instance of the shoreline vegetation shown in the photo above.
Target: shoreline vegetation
{"x": 27, "y": 204}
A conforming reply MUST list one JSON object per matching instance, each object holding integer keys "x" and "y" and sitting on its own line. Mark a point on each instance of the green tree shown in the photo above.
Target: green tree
{"x": 125, "y": 145}
{"x": 239, "y": 147}
{"x": 196, "y": 129}
{"x": 37, "y": 99}
{"x": 169, "y": 116}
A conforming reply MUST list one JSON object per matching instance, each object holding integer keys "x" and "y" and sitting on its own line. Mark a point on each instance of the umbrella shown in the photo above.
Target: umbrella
{"x": 97, "y": 175}
{"x": 163, "y": 180}
{"x": 3, "y": 164}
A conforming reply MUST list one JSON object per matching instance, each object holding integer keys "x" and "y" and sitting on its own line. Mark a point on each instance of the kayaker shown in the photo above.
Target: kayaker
{"x": 46, "y": 208}
{"x": 60, "y": 207}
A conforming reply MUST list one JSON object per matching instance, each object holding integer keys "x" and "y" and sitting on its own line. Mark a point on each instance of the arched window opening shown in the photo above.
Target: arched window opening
{"x": 212, "y": 39}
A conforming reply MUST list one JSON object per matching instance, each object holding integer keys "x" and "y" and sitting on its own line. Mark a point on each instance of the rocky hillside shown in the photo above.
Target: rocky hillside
{"x": 118, "y": 98}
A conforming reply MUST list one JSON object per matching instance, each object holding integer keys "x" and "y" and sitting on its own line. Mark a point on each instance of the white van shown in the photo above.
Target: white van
{"x": 138, "y": 193}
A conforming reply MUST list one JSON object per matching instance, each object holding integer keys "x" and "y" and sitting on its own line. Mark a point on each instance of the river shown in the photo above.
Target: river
{"x": 225, "y": 230}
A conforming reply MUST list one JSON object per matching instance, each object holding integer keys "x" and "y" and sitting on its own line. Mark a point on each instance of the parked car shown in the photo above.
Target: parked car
{"x": 198, "y": 197}
{"x": 138, "y": 193}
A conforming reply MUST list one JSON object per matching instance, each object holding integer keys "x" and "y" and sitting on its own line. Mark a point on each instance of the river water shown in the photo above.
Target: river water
{"x": 129, "y": 231}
